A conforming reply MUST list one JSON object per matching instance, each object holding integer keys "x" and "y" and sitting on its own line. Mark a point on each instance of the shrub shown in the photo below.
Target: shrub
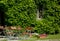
{"x": 50, "y": 22}
{"x": 44, "y": 26}
{"x": 20, "y": 12}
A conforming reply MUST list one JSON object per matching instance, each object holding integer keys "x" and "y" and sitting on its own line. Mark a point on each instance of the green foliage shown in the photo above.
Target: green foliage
{"x": 44, "y": 26}
{"x": 51, "y": 16}
{"x": 23, "y": 13}
{"x": 20, "y": 12}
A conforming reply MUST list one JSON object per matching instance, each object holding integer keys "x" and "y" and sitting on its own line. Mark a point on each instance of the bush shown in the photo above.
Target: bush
{"x": 44, "y": 26}
{"x": 20, "y": 12}
{"x": 50, "y": 22}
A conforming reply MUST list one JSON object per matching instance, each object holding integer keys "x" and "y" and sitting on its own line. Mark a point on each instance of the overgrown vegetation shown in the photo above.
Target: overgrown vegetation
{"x": 50, "y": 22}
{"x": 19, "y": 12}
{"x": 23, "y": 13}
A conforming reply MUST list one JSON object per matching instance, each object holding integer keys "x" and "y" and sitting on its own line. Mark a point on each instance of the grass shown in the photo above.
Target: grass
{"x": 52, "y": 37}
{"x": 3, "y": 40}
{"x": 57, "y": 36}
